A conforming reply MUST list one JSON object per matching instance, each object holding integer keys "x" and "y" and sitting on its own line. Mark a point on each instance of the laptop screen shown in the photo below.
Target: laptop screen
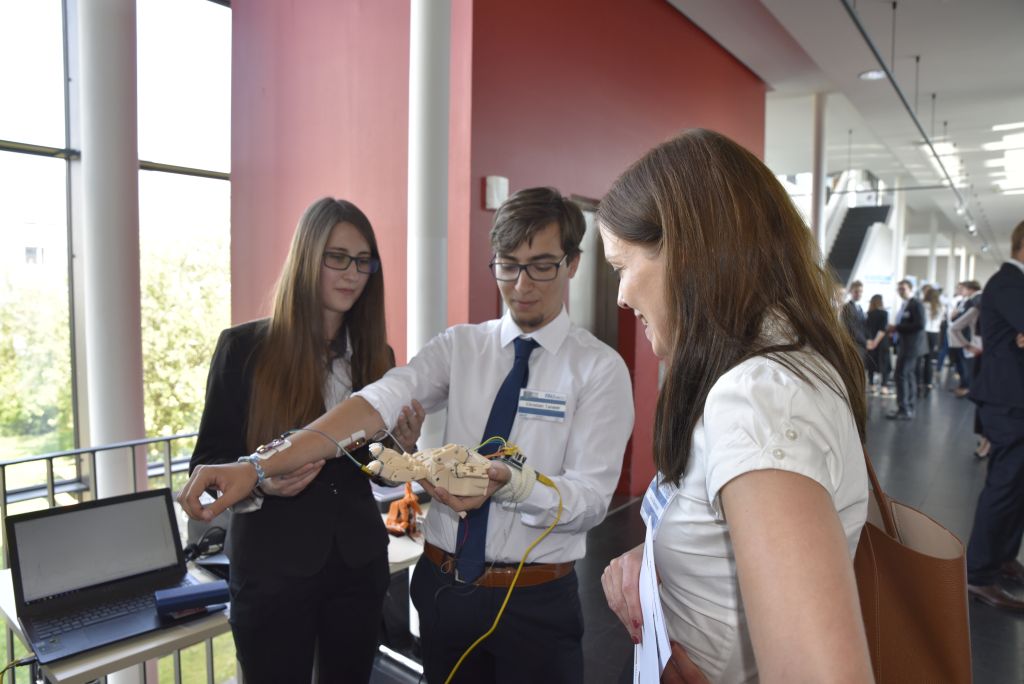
{"x": 74, "y": 547}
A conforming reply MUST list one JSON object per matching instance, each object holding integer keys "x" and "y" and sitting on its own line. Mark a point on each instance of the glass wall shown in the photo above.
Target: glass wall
{"x": 184, "y": 206}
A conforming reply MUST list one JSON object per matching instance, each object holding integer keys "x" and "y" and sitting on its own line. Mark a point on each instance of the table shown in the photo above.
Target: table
{"x": 403, "y": 552}
{"x": 98, "y": 662}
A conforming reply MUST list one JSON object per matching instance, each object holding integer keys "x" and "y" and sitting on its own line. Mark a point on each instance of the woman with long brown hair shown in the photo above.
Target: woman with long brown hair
{"x": 761, "y": 491}
{"x": 309, "y": 567}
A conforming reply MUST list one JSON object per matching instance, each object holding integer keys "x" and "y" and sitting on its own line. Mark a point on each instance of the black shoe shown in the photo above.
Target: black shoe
{"x": 899, "y": 415}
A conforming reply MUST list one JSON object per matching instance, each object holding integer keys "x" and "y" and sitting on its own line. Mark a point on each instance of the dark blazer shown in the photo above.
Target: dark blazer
{"x": 912, "y": 341}
{"x": 1001, "y": 380}
{"x": 288, "y": 535}
{"x": 855, "y": 322}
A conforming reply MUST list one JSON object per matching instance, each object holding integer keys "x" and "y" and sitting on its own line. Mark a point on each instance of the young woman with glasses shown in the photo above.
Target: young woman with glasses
{"x": 309, "y": 567}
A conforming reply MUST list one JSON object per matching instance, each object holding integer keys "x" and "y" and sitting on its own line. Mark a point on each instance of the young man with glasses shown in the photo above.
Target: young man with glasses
{"x": 532, "y": 377}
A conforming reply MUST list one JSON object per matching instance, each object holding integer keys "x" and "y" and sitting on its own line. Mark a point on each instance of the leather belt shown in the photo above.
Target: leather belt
{"x": 501, "y": 576}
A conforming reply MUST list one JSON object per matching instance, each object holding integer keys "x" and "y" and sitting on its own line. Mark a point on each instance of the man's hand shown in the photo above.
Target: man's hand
{"x": 1020, "y": 340}
{"x": 497, "y": 473}
{"x": 890, "y": 328}
{"x": 621, "y": 583}
{"x": 407, "y": 429}
{"x": 294, "y": 482}
{"x": 235, "y": 481}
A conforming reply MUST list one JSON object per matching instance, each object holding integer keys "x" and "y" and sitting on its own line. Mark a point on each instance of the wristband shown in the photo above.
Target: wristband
{"x": 262, "y": 453}
{"x": 261, "y": 476}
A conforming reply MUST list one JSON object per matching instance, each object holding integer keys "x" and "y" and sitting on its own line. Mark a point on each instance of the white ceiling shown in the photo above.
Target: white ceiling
{"x": 971, "y": 56}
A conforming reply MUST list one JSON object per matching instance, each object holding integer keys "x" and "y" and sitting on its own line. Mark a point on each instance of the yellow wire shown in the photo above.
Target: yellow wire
{"x": 545, "y": 480}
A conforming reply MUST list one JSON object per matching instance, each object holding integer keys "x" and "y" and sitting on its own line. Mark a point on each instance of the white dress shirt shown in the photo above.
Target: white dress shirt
{"x": 758, "y": 416}
{"x": 462, "y": 369}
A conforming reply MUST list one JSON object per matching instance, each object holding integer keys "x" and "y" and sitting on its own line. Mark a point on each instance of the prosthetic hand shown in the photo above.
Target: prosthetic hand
{"x": 455, "y": 468}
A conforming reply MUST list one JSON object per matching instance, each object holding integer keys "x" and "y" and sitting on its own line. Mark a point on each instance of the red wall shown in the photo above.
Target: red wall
{"x": 568, "y": 94}
{"x": 319, "y": 107}
{"x": 564, "y": 93}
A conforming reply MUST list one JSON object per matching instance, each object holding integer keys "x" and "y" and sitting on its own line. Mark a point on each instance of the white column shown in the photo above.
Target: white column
{"x": 951, "y": 280}
{"x": 427, "y": 287}
{"x": 970, "y": 267}
{"x": 961, "y": 254}
{"x": 110, "y": 249}
{"x": 933, "y": 233}
{"x": 818, "y": 223}
{"x": 899, "y": 217}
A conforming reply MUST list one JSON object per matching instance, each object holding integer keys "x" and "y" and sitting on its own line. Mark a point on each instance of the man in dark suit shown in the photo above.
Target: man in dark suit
{"x": 999, "y": 392}
{"x": 855, "y": 320}
{"x": 911, "y": 342}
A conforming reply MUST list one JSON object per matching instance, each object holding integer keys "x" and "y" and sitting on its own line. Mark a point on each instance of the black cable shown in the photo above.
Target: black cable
{"x": 211, "y": 541}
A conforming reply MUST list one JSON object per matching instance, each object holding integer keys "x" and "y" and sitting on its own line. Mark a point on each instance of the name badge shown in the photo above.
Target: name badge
{"x": 538, "y": 405}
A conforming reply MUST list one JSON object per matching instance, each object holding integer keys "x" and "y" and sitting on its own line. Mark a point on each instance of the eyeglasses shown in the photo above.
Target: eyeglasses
{"x": 339, "y": 261}
{"x": 539, "y": 271}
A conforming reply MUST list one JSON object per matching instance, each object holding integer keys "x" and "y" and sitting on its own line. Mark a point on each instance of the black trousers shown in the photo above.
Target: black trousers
{"x": 999, "y": 518}
{"x": 906, "y": 381}
{"x": 539, "y": 637}
{"x": 277, "y": 621}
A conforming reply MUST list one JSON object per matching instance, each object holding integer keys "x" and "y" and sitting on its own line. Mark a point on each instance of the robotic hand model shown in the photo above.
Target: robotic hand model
{"x": 455, "y": 468}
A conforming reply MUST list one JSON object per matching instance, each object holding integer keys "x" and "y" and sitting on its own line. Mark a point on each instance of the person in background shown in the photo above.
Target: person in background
{"x": 761, "y": 491}
{"x": 963, "y": 358}
{"x": 309, "y": 568}
{"x": 911, "y": 342}
{"x": 854, "y": 319}
{"x": 933, "y": 315}
{"x": 879, "y": 360}
{"x": 998, "y": 390}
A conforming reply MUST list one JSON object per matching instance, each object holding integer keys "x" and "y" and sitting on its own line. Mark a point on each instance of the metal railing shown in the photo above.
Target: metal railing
{"x": 82, "y": 486}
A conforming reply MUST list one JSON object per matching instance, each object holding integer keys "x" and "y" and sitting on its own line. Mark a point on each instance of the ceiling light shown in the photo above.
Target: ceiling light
{"x": 1014, "y": 192}
{"x": 972, "y": 229}
{"x": 1008, "y": 126}
{"x": 871, "y": 75}
{"x": 984, "y": 247}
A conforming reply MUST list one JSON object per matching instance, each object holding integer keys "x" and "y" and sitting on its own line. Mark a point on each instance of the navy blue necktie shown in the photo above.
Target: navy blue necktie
{"x": 472, "y": 533}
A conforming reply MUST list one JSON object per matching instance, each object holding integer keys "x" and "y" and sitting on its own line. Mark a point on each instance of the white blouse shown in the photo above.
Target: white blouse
{"x": 758, "y": 416}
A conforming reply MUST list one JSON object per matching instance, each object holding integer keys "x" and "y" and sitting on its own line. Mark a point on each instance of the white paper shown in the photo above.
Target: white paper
{"x": 651, "y": 655}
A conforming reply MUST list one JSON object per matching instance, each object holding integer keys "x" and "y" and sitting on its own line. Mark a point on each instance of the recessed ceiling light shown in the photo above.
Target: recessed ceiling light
{"x": 871, "y": 75}
{"x": 1008, "y": 126}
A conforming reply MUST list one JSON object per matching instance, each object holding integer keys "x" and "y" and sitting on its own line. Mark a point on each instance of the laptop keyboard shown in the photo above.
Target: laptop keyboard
{"x": 89, "y": 616}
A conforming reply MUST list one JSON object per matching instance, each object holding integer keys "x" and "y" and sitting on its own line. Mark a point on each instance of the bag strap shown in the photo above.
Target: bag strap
{"x": 884, "y": 509}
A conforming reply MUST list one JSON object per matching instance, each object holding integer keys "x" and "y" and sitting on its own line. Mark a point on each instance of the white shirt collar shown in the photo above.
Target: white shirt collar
{"x": 550, "y": 337}
{"x": 1018, "y": 264}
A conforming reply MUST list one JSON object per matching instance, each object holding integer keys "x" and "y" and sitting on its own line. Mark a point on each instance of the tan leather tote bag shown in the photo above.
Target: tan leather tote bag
{"x": 912, "y": 581}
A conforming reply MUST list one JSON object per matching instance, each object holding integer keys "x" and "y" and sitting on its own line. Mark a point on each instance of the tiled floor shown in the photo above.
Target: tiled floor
{"x": 927, "y": 463}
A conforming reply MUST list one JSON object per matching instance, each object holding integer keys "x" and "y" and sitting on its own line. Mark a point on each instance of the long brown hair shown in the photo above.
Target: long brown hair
{"x": 292, "y": 362}
{"x": 738, "y": 256}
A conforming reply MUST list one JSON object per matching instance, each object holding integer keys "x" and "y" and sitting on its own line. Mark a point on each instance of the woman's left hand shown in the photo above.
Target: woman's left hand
{"x": 407, "y": 429}
{"x": 680, "y": 669}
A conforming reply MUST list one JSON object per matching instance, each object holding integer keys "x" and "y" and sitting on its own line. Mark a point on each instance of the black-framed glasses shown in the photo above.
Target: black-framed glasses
{"x": 537, "y": 270}
{"x": 339, "y": 261}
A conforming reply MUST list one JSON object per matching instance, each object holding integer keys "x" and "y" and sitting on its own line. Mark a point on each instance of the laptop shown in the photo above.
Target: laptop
{"x": 84, "y": 575}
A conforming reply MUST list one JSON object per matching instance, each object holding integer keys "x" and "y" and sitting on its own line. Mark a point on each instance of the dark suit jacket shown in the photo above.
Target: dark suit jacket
{"x": 913, "y": 340}
{"x": 1001, "y": 380}
{"x": 288, "y": 535}
{"x": 856, "y": 324}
